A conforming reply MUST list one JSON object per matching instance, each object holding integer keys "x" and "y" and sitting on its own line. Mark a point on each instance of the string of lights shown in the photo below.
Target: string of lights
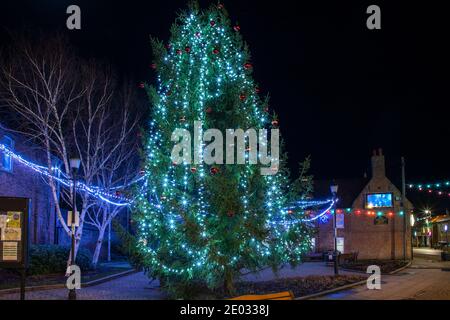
{"x": 435, "y": 192}
{"x": 97, "y": 192}
{"x": 56, "y": 174}
{"x": 435, "y": 185}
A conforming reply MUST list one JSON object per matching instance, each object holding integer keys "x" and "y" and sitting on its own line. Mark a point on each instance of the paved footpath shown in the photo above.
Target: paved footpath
{"x": 132, "y": 287}
{"x": 137, "y": 286}
{"x": 424, "y": 280}
{"x": 412, "y": 283}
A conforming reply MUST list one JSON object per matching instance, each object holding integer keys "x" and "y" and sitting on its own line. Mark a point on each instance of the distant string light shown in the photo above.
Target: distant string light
{"x": 441, "y": 189}
{"x": 429, "y": 186}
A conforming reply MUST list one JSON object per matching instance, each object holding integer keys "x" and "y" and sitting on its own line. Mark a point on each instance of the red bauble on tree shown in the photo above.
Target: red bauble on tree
{"x": 214, "y": 170}
{"x": 212, "y": 23}
{"x": 153, "y": 66}
{"x": 141, "y": 85}
{"x": 216, "y": 51}
{"x": 242, "y": 97}
{"x": 230, "y": 214}
{"x": 209, "y": 110}
{"x": 193, "y": 169}
{"x": 168, "y": 46}
{"x": 220, "y": 6}
{"x": 179, "y": 51}
{"x": 237, "y": 28}
{"x": 248, "y": 66}
{"x": 275, "y": 123}
{"x": 257, "y": 90}
{"x": 187, "y": 49}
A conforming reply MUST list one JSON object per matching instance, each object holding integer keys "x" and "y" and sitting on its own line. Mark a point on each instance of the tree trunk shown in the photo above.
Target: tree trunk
{"x": 228, "y": 282}
{"x": 109, "y": 241}
{"x": 98, "y": 246}
{"x": 79, "y": 232}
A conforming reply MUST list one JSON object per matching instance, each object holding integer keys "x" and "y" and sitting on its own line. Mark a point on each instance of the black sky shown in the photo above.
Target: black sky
{"x": 339, "y": 89}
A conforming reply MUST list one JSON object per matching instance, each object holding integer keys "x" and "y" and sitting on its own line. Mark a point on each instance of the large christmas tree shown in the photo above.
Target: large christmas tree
{"x": 204, "y": 223}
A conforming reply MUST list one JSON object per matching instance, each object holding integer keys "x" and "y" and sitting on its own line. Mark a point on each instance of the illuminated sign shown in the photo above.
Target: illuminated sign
{"x": 379, "y": 200}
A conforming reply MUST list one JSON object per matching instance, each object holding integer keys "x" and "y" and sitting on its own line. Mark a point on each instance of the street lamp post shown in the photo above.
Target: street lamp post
{"x": 334, "y": 190}
{"x": 74, "y": 166}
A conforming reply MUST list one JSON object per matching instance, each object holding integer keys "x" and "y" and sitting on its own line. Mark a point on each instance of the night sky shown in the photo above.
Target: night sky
{"x": 339, "y": 89}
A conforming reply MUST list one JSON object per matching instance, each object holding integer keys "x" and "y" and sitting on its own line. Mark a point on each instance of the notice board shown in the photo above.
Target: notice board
{"x": 14, "y": 215}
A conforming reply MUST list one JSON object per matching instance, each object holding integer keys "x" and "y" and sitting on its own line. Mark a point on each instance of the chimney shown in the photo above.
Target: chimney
{"x": 378, "y": 167}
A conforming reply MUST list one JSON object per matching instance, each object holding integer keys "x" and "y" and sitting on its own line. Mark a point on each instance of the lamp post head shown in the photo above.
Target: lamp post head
{"x": 74, "y": 163}
{"x": 334, "y": 188}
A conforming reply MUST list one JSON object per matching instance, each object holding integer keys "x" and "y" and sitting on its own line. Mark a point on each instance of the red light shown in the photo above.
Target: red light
{"x": 390, "y": 214}
{"x": 339, "y": 211}
{"x": 358, "y": 211}
{"x": 430, "y": 191}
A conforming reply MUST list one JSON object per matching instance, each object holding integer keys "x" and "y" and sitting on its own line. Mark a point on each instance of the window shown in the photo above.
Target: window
{"x": 6, "y": 163}
{"x": 340, "y": 244}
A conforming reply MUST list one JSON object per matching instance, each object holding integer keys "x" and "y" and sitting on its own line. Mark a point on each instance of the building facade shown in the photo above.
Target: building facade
{"x": 440, "y": 231}
{"x": 18, "y": 180}
{"x": 372, "y": 220}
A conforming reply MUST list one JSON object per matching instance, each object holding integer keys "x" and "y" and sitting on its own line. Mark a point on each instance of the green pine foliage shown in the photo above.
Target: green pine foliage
{"x": 198, "y": 224}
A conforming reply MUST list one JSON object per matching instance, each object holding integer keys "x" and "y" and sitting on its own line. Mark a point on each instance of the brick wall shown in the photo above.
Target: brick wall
{"x": 361, "y": 234}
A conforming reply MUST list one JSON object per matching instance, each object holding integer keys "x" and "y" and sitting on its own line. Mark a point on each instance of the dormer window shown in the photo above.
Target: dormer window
{"x": 6, "y": 163}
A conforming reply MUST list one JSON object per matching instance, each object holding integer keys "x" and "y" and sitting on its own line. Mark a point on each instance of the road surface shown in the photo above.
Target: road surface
{"x": 424, "y": 280}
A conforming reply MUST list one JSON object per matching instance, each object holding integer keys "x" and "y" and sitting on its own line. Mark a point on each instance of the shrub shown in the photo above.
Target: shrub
{"x": 48, "y": 259}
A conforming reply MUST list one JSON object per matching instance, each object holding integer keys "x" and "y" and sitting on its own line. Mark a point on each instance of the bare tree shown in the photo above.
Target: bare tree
{"x": 116, "y": 159}
{"x": 66, "y": 105}
{"x": 37, "y": 82}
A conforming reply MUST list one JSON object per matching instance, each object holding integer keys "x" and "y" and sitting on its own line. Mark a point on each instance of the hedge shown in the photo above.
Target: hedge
{"x": 48, "y": 259}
